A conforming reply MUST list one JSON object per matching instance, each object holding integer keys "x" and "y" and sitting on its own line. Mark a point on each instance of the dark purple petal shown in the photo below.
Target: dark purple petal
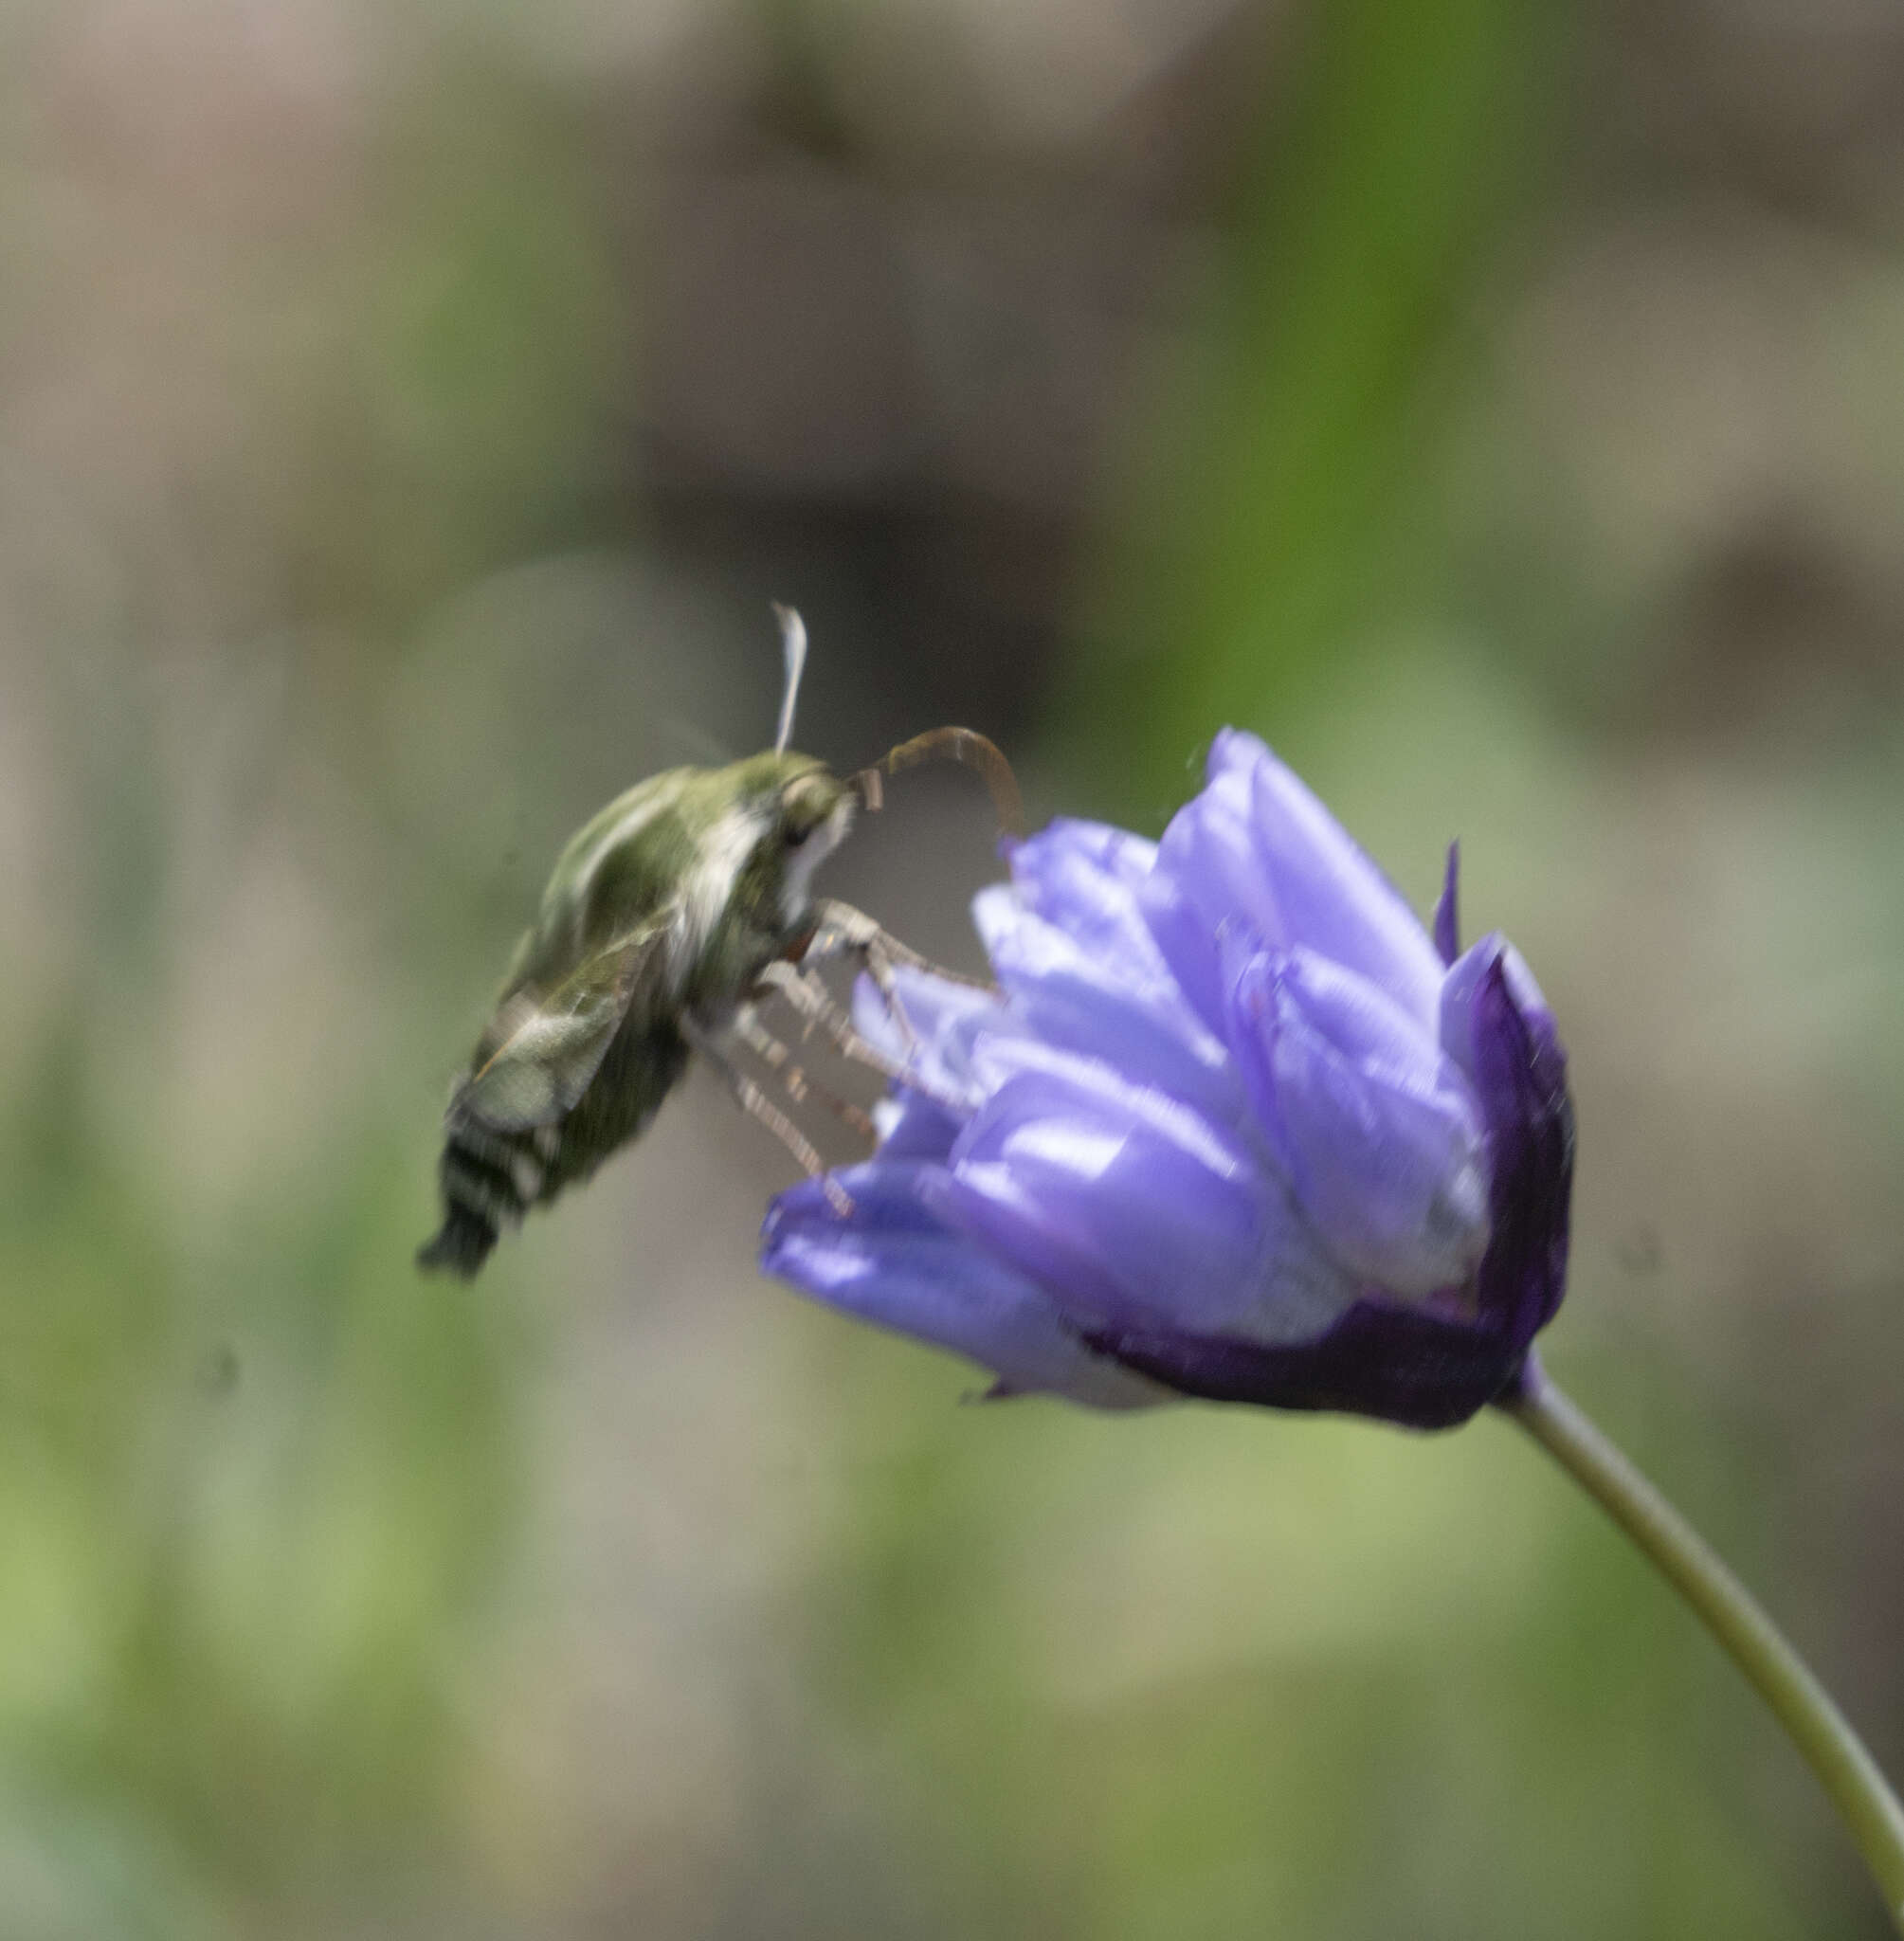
{"x": 1402, "y": 1365}
{"x": 1448, "y": 909}
{"x": 1467, "y": 978}
{"x": 891, "y": 1261}
{"x": 1520, "y": 1073}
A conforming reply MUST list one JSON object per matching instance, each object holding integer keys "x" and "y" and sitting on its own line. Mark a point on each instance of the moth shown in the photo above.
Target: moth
{"x": 671, "y": 916}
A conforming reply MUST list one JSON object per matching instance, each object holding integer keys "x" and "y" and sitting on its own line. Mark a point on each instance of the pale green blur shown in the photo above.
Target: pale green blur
{"x": 407, "y": 413}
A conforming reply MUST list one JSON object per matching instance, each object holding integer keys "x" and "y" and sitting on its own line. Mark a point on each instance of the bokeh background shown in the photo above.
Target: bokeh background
{"x": 407, "y": 411}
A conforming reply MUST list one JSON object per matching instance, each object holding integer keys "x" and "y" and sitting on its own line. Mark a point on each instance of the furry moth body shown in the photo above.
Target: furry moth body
{"x": 665, "y": 916}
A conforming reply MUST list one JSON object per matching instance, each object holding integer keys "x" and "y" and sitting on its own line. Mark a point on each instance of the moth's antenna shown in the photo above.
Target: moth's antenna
{"x": 964, "y": 745}
{"x": 793, "y": 645}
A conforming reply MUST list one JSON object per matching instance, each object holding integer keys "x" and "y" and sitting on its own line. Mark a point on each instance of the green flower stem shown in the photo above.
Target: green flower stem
{"x": 1861, "y": 1791}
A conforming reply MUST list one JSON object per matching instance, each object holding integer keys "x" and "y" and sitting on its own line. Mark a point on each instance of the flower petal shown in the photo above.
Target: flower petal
{"x": 910, "y": 1126}
{"x": 1459, "y": 1008}
{"x": 1401, "y": 1365}
{"x": 1082, "y": 1000}
{"x": 1381, "y": 1134}
{"x": 1423, "y": 1367}
{"x": 1333, "y": 897}
{"x": 1133, "y": 1209}
{"x": 1187, "y": 943}
{"x": 1448, "y": 909}
{"x": 1083, "y": 877}
{"x": 1496, "y": 1026}
{"x": 944, "y": 1016}
{"x": 1208, "y": 876}
{"x": 1257, "y": 845}
{"x": 1227, "y": 1129}
{"x": 891, "y": 1261}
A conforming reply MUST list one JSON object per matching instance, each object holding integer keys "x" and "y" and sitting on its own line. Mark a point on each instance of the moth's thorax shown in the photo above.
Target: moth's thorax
{"x": 721, "y": 859}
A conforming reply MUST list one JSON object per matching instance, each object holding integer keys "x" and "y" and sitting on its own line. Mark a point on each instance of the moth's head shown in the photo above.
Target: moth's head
{"x": 803, "y": 812}
{"x": 814, "y": 803}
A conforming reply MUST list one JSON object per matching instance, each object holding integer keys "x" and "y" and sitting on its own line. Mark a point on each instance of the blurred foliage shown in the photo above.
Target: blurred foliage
{"x": 404, "y": 416}
{"x": 1269, "y": 536}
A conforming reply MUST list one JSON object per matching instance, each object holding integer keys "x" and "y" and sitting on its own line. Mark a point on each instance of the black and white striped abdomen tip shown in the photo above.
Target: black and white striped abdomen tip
{"x": 489, "y": 1180}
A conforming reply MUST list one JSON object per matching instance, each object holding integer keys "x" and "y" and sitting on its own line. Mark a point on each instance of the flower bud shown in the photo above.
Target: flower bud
{"x": 1231, "y": 1127}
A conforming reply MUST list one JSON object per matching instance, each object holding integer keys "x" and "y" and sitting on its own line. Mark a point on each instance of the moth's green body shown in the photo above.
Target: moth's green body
{"x": 660, "y": 916}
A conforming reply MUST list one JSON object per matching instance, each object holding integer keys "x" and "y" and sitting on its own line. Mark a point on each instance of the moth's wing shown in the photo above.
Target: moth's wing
{"x": 546, "y": 1049}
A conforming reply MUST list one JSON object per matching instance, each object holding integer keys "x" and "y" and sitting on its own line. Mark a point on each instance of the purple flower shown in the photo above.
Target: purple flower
{"x": 1231, "y": 1127}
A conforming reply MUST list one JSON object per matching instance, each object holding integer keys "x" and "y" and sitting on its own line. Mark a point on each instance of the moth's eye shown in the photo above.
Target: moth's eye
{"x": 804, "y": 806}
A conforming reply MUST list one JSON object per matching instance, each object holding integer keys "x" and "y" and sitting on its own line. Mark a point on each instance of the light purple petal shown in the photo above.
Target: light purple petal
{"x": 1256, "y": 845}
{"x": 1083, "y": 1001}
{"x": 1083, "y": 878}
{"x": 1333, "y": 899}
{"x": 912, "y": 1126}
{"x": 1130, "y": 1206}
{"x": 1025, "y": 947}
{"x": 1209, "y": 874}
{"x": 1380, "y": 1132}
{"x": 891, "y": 1261}
{"x": 945, "y": 1016}
{"x": 1187, "y": 942}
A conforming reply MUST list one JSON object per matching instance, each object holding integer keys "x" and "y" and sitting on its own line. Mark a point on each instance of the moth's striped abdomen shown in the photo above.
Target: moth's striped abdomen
{"x": 491, "y": 1176}
{"x": 489, "y": 1180}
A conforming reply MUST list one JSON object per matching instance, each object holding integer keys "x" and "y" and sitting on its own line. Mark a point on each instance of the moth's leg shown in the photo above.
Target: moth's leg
{"x": 847, "y": 931}
{"x": 756, "y": 1105}
{"x": 795, "y": 1082}
{"x": 809, "y": 998}
{"x": 844, "y": 931}
{"x": 841, "y": 930}
{"x": 814, "y": 1004}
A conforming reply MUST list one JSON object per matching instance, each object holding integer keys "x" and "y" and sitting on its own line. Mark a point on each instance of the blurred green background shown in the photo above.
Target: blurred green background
{"x": 406, "y": 412}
